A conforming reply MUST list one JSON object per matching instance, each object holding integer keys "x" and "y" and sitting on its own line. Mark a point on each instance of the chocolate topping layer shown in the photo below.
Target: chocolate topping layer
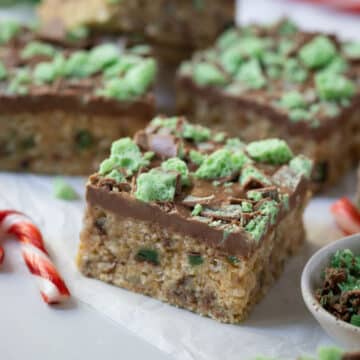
{"x": 228, "y": 219}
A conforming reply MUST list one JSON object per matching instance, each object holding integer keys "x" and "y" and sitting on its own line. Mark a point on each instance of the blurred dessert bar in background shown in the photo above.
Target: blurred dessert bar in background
{"x": 277, "y": 81}
{"x": 174, "y": 28}
{"x": 62, "y": 107}
{"x": 194, "y": 218}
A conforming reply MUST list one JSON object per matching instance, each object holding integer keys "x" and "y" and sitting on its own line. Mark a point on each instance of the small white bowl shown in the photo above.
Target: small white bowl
{"x": 345, "y": 333}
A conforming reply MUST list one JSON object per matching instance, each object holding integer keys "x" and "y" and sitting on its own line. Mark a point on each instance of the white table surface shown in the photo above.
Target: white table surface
{"x": 30, "y": 329}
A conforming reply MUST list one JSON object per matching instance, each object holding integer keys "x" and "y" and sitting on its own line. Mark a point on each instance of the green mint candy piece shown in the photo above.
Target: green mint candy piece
{"x": 355, "y": 320}
{"x": 84, "y": 139}
{"x": 128, "y": 155}
{"x": 77, "y": 65}
{"x": 197, "y": 210}
{"x": 37, "y": 48}
{"x": 254, "y": 195}
{"x": 48, "y": 72}
{"x": 195, "y": 260}
{"x": 253, "y": 46}
{"x": 330, "y": 353}
{"x": 155, "y": 185}
{"x": 141, "y": 50}
{"x": 231, "y": 59}
{"x": 272, "y": 151}
{"x": 117, "y": 176}
{"x": 332, "y": 86}
{"x": 141, "y": 76}
{"x": 107, "y": 166}
{"x": 234, "y": 144}
{"x": 148, "y": 255}
{"x": 292, "y": 100}
{"x": 352, "y": 50}
{"x": 208, "y": 74}
{"x": 19, "y": 82}
{"x": 102, "y": 56}
{"x": 8, "y": 30}
{"x": 297, "y": 115}
{"x": 294, "y": 72}
{"x": 233, "y": 260}
{"x": 251, "y": 75}
{"x": 63, "y": 191}
{"x": 123, "y": 64}
{"x": 270, "y": 209}
{"x": 257, "y": 227}
{"x": 221, "y": 163}
{"x": 116, "y": 88}
{"x": 3, "y": 71}
{"x": 287, "y": 27}
{"x": 302, "y": 165}
{"x": 227, "y": 39}
{"x": 179, "y": 166}
{"x": 219, "y": 137}
{"x": 78, "y": 33}
{"x": 197, "y": 133}
{"x": 246, "y": 207}
{"x": 165, "y": 122}
{"x": 318, "y": 53}
{"x": 251, "y": 172}
{"x": 338, "y": 65}
{"x": 196, "y": 157}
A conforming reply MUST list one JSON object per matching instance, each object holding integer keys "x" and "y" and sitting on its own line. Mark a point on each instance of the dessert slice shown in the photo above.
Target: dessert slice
{"x": 194, "y": 218}
{"x": 167, "y": 23}
{"x": 258, "y": 82}
{"x": 62, "y": 107}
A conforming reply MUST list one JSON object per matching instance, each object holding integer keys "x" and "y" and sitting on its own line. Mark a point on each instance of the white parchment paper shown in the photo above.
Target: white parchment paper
{"x": 279, "y": 326}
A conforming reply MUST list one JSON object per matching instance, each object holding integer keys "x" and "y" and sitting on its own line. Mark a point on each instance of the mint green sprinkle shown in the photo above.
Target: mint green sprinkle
{"x": 355, "y": 320}
{"x": 246, "y": 206}
{"x": 196, "y": 157}
{"x": 338, "y": 65}
{"x": 254, "y": 195}
{"x": 141, "y": 76}
{"x": 116, "y": 175}
{"x": 332, "y": 86}
{"x": 330, "y": 353}
{"x": 302, "y": 165}
{"x": 318, "y": 52}
{"x": 102, "y": 56}
{"x": 352, "y": 50}
{"x": 270, "y": 209}
{"x": 221, "y": 163}
{"x": 8, "y": 30}
{"x": 296, "y": 115}
{"x": 3, "y": 71}
{"x": 63, "y": 191}
{"x": 294, "y": 72}
{"x": 155, "y": 185}
{"x": 19, "y": 82}
{"x": 37, "y": 48}
{"x": 76, "y": 65}
{"x": 197, "y": 133}
{"x": 257, "y": 227}
{"x": 78, "y": 33}
{"x": 179, "y": 166}
{"x": 228, "y": 38}
{"x": 272, "y": 151}
{"x": 292, "y": 100}
{"x": 197, "y": 210}
{"x": 208, "y": 74}
{"x": 48, "y": 72}
{"x": 251, "y": 75}
{"x": 195, "y": 260}
{"x": 231, "y": 58}
{"x": 250, "y": 172}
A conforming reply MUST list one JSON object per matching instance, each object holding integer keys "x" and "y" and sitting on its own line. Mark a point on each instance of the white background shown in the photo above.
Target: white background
{"x": 100, "y": 321}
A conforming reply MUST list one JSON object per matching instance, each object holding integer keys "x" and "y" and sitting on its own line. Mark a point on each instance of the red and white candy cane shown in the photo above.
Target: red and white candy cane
{"x": 52, "y": 287}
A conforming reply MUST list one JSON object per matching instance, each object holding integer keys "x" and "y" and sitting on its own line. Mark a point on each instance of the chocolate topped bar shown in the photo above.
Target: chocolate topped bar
{"x": 206, "y": 185}
{"x": 307, "y": 80}
{"x": 94, "y": 91}
{"x": 101, "y": 77}
{"x": 265, "y": 81}
{"x": 194, "y": 217}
